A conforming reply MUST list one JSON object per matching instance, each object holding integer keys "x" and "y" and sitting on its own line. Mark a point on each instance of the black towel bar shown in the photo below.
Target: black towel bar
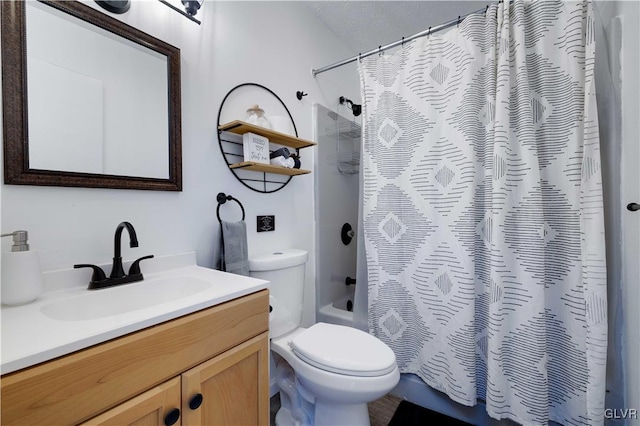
{"x": 223, "y": 198}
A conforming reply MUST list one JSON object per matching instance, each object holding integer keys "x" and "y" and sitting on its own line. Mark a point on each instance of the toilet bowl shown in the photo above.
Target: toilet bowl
{"x": 326, "y": 373}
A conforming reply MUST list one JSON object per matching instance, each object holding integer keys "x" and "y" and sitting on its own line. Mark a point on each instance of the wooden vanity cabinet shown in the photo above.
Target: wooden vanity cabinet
{"x": 149, "y": 409}
{"x": 227, "y": 383}
{"x": 222, "y": 391}
{"x": 220, "y": 353}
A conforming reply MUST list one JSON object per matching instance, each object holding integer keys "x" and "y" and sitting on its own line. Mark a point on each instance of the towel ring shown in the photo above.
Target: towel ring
{"x": 223, "y": 198}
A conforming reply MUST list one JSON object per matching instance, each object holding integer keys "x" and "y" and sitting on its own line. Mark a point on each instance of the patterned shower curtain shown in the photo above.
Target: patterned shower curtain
{"x": 483, "y": 215}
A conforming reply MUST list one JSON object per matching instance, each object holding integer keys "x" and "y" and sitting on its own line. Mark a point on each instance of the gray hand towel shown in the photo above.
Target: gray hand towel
{"x": 234, "y": 257}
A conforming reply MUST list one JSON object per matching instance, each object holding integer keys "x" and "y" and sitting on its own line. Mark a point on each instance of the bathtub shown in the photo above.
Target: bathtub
{"x": 337, "y": 312}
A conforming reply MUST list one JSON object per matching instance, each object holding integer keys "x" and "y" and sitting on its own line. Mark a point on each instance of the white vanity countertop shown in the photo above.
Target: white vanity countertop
{"x": 31, "y": 336}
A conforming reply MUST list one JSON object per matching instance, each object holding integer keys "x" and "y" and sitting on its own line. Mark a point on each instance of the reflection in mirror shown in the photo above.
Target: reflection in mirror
{"x": 92, "y": 96}
{"x": 103, "y": 103}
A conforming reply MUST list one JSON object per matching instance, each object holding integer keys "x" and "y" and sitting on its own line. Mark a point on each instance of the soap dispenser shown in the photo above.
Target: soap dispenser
{"x": 21, "y": 276}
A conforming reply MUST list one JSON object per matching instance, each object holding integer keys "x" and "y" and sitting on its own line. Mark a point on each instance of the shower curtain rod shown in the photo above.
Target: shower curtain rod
{"x": 381, "y": 49}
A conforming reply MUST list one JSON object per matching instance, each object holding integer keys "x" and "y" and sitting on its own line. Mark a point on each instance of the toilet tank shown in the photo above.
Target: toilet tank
{"x": 284, "y": 269}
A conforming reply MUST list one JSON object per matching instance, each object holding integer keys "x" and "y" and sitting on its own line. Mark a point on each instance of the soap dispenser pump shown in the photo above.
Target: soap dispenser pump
{"x": 21, "y": 276}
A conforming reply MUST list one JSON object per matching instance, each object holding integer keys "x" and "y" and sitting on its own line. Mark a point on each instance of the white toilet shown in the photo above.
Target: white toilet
{"x": 326, "y": 373}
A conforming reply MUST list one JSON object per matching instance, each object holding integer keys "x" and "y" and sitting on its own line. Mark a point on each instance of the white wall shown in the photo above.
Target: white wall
{"x": 275, "y": 44}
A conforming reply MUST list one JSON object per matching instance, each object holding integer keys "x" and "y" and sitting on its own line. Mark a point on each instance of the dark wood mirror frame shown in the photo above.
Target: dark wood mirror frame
{"x": 14, "y": 102}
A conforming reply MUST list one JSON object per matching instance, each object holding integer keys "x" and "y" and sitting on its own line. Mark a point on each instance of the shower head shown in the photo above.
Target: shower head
{"x": 355, "y": 108}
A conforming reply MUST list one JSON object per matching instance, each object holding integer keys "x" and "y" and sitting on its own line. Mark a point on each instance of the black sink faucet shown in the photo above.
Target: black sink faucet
{"x": 117, "y": 276}
{"x": 116, "y": 269}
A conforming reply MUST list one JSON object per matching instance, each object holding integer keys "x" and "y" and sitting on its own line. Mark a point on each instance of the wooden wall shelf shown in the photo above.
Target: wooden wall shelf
{"x": 268, "y": 168}
{"x": 241, "y": 127}
{"x": 259, "y": 177}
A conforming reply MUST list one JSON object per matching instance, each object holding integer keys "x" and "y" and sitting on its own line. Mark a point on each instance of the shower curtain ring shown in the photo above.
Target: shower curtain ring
{"x": 359, "y": 57}
{"x": 429, "y": 32}
{"x": 402, "y": 41}
{"x": 485, "y": 10}
{"x": 380, "y": 50}
{"x": 458, "y": 24}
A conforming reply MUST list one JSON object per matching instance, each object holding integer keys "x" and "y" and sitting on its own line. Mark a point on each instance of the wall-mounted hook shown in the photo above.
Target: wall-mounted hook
{"x": 300, "y": 94}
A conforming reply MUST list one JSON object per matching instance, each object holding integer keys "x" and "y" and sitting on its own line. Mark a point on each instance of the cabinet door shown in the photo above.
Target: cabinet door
{"x": 153, "y": 408}
{"x": 230, "y": 389}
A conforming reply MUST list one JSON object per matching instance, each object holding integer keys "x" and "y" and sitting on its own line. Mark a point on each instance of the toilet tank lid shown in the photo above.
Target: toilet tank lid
{"x": 278, "y": 259}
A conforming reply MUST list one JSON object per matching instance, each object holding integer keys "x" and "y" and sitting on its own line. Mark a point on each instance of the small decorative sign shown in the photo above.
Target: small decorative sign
{"x": 256, "y": 148}
{"x": 266, "y": 223}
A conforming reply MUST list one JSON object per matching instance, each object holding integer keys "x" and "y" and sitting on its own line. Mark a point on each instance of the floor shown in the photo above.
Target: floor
{"x": 380, "y": 411}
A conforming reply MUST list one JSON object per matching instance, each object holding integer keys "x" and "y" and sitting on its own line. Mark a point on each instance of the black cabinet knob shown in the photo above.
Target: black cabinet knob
{"x": 195, "y": 401}
{"x": 633, "y": 207}
{"x": 172, "y": 417}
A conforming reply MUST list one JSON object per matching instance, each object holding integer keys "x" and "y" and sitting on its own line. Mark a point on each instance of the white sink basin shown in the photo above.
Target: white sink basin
{"x": 67, "y": 317}
{"x": 125, "y": 298}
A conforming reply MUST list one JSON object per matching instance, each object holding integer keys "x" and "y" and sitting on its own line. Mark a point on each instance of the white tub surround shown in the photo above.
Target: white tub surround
{"x": 336, "y": 312}
{"x": 68, "y": 317}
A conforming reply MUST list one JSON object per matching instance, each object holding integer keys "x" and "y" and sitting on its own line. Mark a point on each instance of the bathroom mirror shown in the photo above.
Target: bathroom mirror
{"x": 87, "y": 100}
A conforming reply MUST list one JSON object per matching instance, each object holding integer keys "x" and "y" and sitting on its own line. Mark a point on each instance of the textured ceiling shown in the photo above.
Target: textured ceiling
{"x": 365, "y": 25}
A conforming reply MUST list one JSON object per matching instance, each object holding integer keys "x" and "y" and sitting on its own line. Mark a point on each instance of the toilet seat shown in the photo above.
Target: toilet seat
{"x": 343, "y": 350}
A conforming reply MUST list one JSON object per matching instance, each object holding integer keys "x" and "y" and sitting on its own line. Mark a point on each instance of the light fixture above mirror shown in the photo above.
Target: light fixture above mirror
{"x": 191, "y": 8}
{"x": 115, "y": 6}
